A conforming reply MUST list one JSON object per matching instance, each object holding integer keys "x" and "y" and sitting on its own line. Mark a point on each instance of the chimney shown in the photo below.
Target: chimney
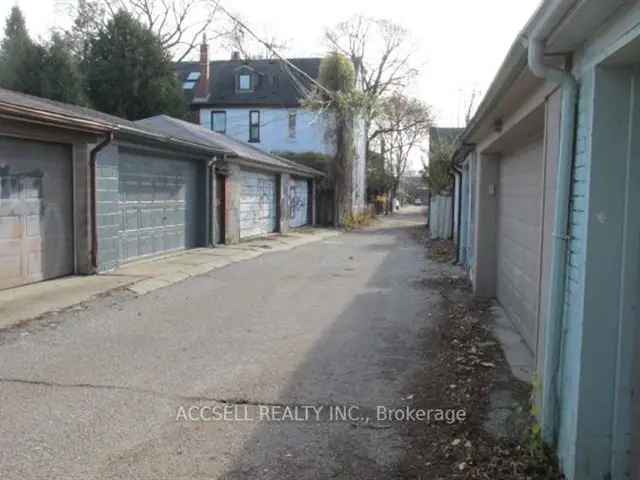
{"x": 202, "y": 89}
{"x": 235, "y": 56}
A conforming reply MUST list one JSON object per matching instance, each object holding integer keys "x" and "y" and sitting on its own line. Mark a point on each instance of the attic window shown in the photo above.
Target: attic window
{"x": 193, "y": 76}
{"x": 244, "y": 82}
{"x": 188, "y": 85}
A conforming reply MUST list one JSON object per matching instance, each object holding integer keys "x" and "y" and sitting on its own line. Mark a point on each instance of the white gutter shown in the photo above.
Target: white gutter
{"x": 554, "y": 327}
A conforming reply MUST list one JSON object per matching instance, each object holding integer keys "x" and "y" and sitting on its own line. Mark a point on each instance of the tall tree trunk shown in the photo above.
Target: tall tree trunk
{"x": 345, "y": 152}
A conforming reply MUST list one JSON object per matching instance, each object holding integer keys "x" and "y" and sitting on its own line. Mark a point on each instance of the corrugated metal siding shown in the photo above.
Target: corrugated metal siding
{"x": 440, "y": 217}
{"x": 258, "y": 203}
{"x": 518, "y": 237}
{"x": 298, "y": 202}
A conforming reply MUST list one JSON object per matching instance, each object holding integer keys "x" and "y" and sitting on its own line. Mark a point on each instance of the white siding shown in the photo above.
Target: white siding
{"x": 311, "y": 129}
{"x": 518, "y": 235}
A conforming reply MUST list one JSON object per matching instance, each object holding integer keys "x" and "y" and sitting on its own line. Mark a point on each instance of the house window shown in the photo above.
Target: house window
{"x": 219, "y": 122}
{"x": 254, "y": 126}
{"x": 244, "y": 82}
{"x": 292, "y": 124}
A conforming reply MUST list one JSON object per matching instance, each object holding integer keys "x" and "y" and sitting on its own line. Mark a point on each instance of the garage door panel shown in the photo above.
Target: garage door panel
{"x": 36, "y": 211}
{"x": 162, "y": 201}
{"x": 298, "y": 202}
{"x": 258, "y": 207}
{"x": 517, "y": 309}
{"x": 516, "y": 258}
{"x": 518, "y": 237}
{"x": 516, "y": 233}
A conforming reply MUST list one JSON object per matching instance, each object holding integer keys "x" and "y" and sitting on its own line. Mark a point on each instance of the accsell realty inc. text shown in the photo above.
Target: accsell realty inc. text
{"x": 316, "y": 413}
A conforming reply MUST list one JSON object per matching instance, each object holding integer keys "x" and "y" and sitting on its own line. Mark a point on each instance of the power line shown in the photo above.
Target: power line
{"x": 273, "y": 50}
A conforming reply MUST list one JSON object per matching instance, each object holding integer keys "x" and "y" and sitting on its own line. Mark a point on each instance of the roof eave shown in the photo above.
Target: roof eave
{"x": 512, "y": 66}
{"x": 172, "y": 140}
{"x": 275, "y": 168}
{"x": 34, "y": 115}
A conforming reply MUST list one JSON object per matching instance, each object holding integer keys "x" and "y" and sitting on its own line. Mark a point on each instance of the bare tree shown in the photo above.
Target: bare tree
{"x": 236, "y": 39}
{"x": 438, "y": 174}
{"x": 381, "y": 52}
{"x": 405, "y": 124}
{"x": 469, "y": 105}
{"x": 179, "y": 24}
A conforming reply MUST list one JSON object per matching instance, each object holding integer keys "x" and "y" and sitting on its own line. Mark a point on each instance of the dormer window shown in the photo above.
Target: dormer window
{"x": 244, "y": 82}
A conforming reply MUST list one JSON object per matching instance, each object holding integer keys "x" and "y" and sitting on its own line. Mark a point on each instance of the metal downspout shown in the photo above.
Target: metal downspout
{"x": 554, "y": 323}
{"x": 94, "y": 224}
{"x": 458, "y": 233}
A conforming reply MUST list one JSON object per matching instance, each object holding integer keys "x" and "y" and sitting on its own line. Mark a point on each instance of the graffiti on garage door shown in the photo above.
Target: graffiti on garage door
{"x": 298, "y": 202}
{"x": 258, "y": 210}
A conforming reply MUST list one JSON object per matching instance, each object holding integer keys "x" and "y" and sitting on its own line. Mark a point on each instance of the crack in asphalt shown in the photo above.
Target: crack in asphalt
{"x": 232, "y": 401}
{"x": 143, "y": 391}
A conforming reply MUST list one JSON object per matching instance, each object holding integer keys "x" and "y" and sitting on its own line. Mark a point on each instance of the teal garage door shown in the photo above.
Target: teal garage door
{"x": 162, "y": 205}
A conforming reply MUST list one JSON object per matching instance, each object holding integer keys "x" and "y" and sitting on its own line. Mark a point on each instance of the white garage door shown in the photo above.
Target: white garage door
{"x": 36, "y": 211}
{"x": 258, "y": 203}
{"x": 161, "y": 204}
{"x": 519, "y": 231}
{"x": 298, "y": 202}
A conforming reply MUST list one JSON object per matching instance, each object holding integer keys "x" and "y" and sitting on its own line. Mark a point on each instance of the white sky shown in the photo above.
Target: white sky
{"x": 460, "y": 44}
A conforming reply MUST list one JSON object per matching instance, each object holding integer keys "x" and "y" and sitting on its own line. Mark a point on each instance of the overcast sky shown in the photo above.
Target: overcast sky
{"x": 460, "y": 44}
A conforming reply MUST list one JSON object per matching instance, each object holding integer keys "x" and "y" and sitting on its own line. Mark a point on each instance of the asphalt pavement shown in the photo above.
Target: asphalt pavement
{"x": 218, "y": 376}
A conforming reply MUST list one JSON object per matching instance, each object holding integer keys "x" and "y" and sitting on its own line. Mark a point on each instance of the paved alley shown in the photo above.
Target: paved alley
{"x": 97, "y": 392}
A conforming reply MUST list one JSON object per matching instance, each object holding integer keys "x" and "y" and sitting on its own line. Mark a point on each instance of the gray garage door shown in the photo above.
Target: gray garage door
{"x": 36, "y": 211}
{"x": 161, "y": 205}
{"x": 298, "y": 202}
{"x": 519, "y": 233}
{"x": 258, "y": 207}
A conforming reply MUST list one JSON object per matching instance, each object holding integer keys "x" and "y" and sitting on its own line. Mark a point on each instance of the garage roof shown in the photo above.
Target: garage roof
{"x": 29, "y": 107}
{"x": 197, "y": 133}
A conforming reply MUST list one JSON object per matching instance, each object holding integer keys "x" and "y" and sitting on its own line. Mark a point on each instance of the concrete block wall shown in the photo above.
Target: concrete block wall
{"x": 108, "y": 214}
{"x": 574, "y": 283}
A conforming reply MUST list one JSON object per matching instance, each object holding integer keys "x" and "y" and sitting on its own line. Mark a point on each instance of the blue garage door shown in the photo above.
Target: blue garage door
{"x": 162, "y": 205}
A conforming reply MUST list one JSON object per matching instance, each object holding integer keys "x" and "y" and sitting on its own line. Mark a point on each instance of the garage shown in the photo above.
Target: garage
{"x": 519, "y": 237}
{"x": 162, "y": 205}
{"x": 258, "y": 203}
{"x": 298, "y": 202}
{"x": 36, "y": 211}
